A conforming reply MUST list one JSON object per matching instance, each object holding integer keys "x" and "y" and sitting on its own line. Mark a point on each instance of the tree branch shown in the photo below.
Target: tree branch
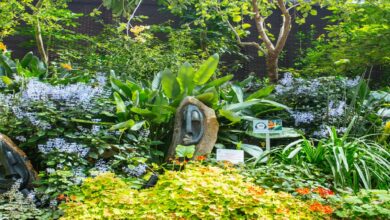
{"x": 38, "y": 35}
{"x": 238, "y": 38}
{"x": 259, "y": 20}
{"x": 128, "y": 25}
{"x": 285, "y": 29}
{"x": 293, "y": 6}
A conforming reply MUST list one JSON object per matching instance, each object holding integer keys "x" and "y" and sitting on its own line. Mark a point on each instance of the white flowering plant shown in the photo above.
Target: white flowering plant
{"x": 327, "y": 101}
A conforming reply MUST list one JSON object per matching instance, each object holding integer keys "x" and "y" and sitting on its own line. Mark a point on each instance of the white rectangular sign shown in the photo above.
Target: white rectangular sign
{"x": 233, "y": 156}
{"x": 267, "y": 126}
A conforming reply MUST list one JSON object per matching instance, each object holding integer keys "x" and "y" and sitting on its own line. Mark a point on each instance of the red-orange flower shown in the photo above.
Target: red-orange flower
{"x": 303, "y": 191}
{"x": 61, "y": 197}
{"x": 256, "y": 190}
{"x": 327, "y": 209}
{"x": 318, "y": 207}
{"x": 323, "y": 192}
{"x": 201, "y": 158}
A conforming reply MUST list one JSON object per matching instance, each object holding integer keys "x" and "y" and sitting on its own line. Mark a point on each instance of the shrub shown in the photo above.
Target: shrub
{"x": 198, "y": 192}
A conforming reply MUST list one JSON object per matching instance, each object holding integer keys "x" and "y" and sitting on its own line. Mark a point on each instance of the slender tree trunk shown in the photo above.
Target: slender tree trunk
{"x": 38, "y": 37}
{"x": 272, "y": 67}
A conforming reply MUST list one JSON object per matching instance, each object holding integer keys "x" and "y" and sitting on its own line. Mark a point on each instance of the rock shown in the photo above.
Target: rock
{"x": 14, "y": 165}
{"x": 209, "y": 131}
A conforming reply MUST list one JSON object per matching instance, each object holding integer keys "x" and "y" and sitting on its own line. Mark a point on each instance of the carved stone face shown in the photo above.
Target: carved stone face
{"x": 12, "y": 168}
{"x": 193, "y": 127}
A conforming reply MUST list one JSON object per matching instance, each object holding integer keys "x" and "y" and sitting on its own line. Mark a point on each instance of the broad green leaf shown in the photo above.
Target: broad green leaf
{"x": 241, "y": 106}
{"x": 120, "y": 87}
{"x": 120, "y": 107}
{"x": 137, "y": 126}
{"x": 123, "y": 125}
{"x": 169, "y": 84}
{"x": 185, "y": 151}
{"x": 253, "y": 150}
{"x": 231, "y": 116}
{"x": 156, "y": 81}
{"x": 217, "y": 82}
{"x": 239, "y": 93}
{"x": 206, "y": 70}
{"x": 8, "y": 81}
{"x": 185, "y": 78}
{"x": 261, "y": 93}
{"x": 26, "y": 59}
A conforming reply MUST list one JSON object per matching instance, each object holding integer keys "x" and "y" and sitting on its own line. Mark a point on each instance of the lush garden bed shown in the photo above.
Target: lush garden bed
{"x": 95, "y": 115}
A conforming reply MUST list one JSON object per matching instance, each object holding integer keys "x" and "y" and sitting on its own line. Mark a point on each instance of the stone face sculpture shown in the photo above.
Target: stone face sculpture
{"x": 14, "y": 165}
{"x": 195, "y": 124}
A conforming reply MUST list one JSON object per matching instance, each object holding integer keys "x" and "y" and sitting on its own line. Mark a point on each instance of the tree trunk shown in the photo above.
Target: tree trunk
{"x": 271, "y": 61}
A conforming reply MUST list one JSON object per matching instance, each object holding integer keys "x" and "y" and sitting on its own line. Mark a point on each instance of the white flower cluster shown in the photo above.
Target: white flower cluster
{"x": 136, "y": 171}
{"x": 302, "y": 117}
{"x": 61, "y": 145}
{"x": 101, "y": 166}
{"x": 336, "y": 110}
{"x": 72, "y": 95}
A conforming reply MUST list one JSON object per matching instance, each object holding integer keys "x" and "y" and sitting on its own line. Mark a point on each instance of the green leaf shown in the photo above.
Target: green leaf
{"x": 185, "y": 78}
{"x": 231, "y": 116}
{"x": 261, "y": 93}
{"x": 8, "y": 81}
{"x": 206, "y": 70}
{"x": 123, "y": 125}
{"x": 217, "y": 82}
{"x": 253, "y": 150}
{"x": 238, "y": 91}
{"x": 137, "y": 126}
{"x": 169, "y": 84}
{"x": 313, "y": 12}
{"x": 26, "y": 59}
{"x": 185, "y": 151}
{"x": 120, "y": 106}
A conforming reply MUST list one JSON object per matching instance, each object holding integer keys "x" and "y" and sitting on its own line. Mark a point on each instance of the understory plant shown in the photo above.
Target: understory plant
{"x": 353, "y": 162}
{"x": 153, "y": 104}
{"x": 197, "y": 192}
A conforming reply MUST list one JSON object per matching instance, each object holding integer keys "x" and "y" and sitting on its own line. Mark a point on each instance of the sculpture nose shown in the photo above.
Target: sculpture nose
{"x": 195, "y": 116}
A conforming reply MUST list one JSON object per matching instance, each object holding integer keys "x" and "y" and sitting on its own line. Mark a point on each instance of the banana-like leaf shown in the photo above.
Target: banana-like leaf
{"x": 169, "y": 84}
{"x": 123, "y": 125}
{"x": 26, "y": 59}
{"x": 217, "y": 82}
{"x": 156, "y": 81}
{"x": 120, "y": 106}
{"x": 137, "y": 126}
{"x": 120, "y": 87}
{"x": 185, "y": 78}
{"x": 230, "y": 115}
{"x": 261, "y": 93}
{"x": 252, "y": 150}
{"x": 238, "y": 92}
{"x": 206, "y": 70}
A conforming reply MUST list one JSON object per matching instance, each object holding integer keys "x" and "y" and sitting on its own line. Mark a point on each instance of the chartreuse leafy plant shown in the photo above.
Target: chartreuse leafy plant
{"x": 198, "y": 192}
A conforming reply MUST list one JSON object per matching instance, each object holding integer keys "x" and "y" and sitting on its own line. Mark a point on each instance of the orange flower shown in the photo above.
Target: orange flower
{"x": 303, "y": 191}
{"x": 66, "y": 66}
{"x": 3, "y": 47}
{"x": 201, "y": 158}
{"x": 327, "y": 209}
{"x": 73, "y": 197}
{"x": 315, "y": 207}
{"x": 282, "y": 211}
{"x": 256, "y": 190}
{"x": 323, "y": 192}
{"x": 61, "y": 197}
{"x": 318, "y": 207}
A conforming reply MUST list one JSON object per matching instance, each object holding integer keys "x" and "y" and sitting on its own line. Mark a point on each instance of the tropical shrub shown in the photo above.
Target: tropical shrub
{"x": 353, "y": 162}
{"x": 154, "y": 103}
{"x": 366, "y": 204}
{"x": 197, "y": 192}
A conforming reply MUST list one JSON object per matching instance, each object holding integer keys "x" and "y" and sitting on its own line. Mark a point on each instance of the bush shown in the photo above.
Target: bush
{"x": 198, "y": 192}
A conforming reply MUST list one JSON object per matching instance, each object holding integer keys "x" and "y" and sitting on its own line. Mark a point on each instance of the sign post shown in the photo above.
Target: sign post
{"x": 267, "y": 127}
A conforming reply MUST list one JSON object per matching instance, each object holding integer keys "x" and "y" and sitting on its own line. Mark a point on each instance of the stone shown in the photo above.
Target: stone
{"x": 203, "y": 131}
{"x": 14, "y": 165}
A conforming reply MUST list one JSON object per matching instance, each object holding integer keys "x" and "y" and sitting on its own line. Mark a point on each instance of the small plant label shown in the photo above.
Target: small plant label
{"x": 267, "y": 126}
{"x": 233, "y": 156}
